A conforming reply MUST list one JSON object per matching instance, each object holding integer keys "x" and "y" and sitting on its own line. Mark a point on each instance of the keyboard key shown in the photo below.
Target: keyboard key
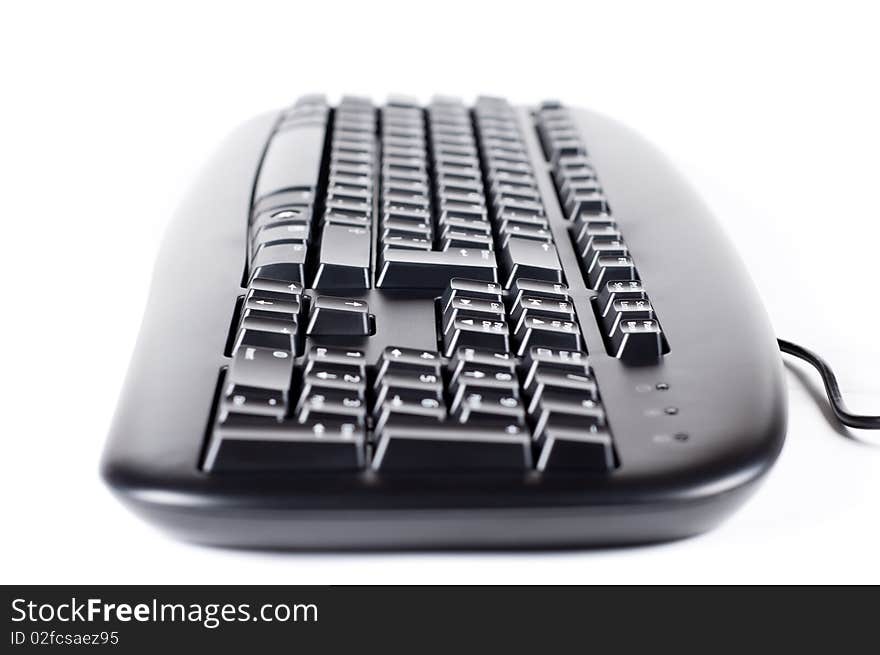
{"x": 450, "y": 210}
{"x": 500, "y": 190}
{"x": 282, "y": 261}
{"x": 586, "y": 222}
{"x": 578, "y": 416}
{"x": 474, "y": 333}
{"x": 460, "y": 287}
{"x": 277, "y": 286}
{"x": 285, "y": 324}
{"x": 573, "y": 163}
{"x": 408, "y": 214}
{"x": 561, "y": 310}
{"x": 612, "y": 268}
{"x": 411, "y": 387}
{"x": 472, "y": 377}
{"x": 451, "y": 447}
{"x": 412, "y": 269}
{"x": 518, "y": 206}
{"x": 530, "y": 259}
{"x": 619, "y": 290}
{"x": 329, "y": 404}
{"x": 394, "y": 361}
{"x": 585, "y": 233}
{"x": 347, "y": 356}
{"x": 406, "y": 243}
{"x": 627, "y": 310}
{"x": 483, "y": 405}
{"x": 397, "y": 411}
{"x": 344, "y": 260}
{"x": 458, "y": 223}
{"x": 339, "y": 316}
{"x": 271, "y": 301}
{"x": 262, "y": 368}
{"x": 345, "y": 361}
{"x": 396, "y": 227}
{"x": 571, "y": 187}
{"x": 637, "y": 341}
{"x": 248, "y": 444}
{"x": 406, "y": 202}
{"x": 253, "y": 401}
{"x": 283, "y": 215}
{"x": 497, "y": 361}
{"x": 301, "y": 199}
{"x": 573, "y": 449}
{"x": 320, "y": 378}
{"x": 482, "y": 310}
{"x": 547, "y": 333}
{"x": 287, "y": 232}
{"x": 507, "y": 221}
{"x": 558, "y": 360}
{"x": 466, "y": 239}
{"x": 272, "y": 339}
{"x": 250, "y": 313}
{"x": 585, "y": 202}
{"x": 577, "y": 178}
{"x": 547, "y": 385}
{"x": 525, "y": 232}
{"x": 537, "y": 288}
{"x": 347, "y": 220}
{"x": 602, "y": 248}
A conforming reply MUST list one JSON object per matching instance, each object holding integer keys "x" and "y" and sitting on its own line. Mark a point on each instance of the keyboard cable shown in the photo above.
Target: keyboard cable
{"x": 832, "y": 389}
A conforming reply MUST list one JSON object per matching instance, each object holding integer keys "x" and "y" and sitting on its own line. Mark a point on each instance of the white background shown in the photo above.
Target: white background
{"x": 107, "y": 112}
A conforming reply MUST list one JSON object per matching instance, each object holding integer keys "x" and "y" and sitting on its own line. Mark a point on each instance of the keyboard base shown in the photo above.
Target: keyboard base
{"x": 507, "y": 528}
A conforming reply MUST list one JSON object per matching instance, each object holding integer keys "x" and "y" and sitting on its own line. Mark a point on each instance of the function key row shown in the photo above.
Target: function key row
{"x": 628, "y": 322}
{"x": 521, "y": 227}
{"x": 434, "y": 225}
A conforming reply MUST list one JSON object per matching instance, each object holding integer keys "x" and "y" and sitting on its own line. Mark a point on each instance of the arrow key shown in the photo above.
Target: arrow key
{"x": 339, "y": 316}
{"x": 270, "y": 301}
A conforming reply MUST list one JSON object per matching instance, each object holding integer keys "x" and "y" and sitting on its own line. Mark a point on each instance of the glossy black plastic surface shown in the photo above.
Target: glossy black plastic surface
{"x": 693, "y": 433}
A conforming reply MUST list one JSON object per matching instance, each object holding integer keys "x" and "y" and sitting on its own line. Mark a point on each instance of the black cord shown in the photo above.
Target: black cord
{"x": 831, "y": 387}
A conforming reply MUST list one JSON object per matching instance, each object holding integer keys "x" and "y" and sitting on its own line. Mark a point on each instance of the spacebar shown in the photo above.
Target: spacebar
{"x": 452, "y": 448}
{"x": 432, "y": 269}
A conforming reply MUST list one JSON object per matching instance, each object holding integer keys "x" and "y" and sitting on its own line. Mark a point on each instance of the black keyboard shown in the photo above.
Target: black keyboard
{"x": 444, "y": 326}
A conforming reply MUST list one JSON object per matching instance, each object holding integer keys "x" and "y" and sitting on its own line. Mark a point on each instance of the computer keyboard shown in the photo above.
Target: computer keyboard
{"x": 442, "y": 326}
